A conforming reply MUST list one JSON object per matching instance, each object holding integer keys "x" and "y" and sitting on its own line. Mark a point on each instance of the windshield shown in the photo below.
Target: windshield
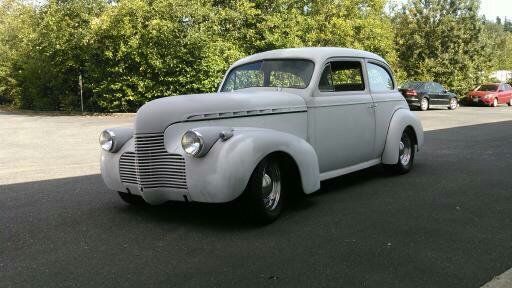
{"x": 487, "y": 87}
{"x": 284, "y": 73}
{"x": 412, "y": 85}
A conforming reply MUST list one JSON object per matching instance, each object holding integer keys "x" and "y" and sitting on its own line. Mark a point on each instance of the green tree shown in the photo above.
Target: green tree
{"x": 145, "y": 50}
{"x": 499, "y": 49}
{"x": 44, "y": 70}
{"x": 16, "y": 34}
{"x": 444, "y": 41}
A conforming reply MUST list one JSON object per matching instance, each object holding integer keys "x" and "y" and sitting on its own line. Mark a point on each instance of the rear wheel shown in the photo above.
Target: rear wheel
{"x": 131, "y": 199}
{"x": 453, "y": 104}
{"x": 424, "y": 104}
{"x": 406, "y": 153}
{"x": 264, "y": 192}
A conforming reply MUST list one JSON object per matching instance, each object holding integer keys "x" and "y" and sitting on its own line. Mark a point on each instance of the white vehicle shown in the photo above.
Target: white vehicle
{"x": 281, "y": 122}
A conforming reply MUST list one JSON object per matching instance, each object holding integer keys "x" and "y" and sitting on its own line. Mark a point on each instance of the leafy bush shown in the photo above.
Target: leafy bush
{"x": 129, "y": 52}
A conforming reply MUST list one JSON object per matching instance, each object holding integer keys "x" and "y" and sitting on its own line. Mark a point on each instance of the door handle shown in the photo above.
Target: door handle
{"x": 372, "y": 106}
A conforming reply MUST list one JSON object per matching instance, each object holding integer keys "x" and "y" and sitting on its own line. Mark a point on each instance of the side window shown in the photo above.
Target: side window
{"x": 379, "y": 78}
{"x": 326, "y": 80}
{"x": 342, "y": 76}
{"x": 429, "y": 87}
{"x": 438, "y": 88}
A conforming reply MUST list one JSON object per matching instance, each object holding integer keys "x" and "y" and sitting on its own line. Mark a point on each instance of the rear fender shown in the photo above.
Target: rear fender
{"x": 402, "y": 118}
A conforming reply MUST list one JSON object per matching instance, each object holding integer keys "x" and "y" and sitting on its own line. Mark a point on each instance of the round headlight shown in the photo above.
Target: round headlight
{"x": 107, "y": 140}
{"x": 192, "y": 142}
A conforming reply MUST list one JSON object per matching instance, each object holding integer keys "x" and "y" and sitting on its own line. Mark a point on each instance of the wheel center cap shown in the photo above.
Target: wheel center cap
{"x": 267, "y": 181}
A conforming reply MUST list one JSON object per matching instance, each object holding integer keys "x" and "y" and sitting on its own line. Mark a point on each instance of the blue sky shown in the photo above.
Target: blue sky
{"x": 493, "y": 8}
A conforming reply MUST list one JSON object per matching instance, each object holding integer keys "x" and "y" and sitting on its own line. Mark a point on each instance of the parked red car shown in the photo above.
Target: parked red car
{"x": 491, "y": 94}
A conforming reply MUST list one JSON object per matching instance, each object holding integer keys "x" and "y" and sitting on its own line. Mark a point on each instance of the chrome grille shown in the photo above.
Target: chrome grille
{"x": 151, "y": 166}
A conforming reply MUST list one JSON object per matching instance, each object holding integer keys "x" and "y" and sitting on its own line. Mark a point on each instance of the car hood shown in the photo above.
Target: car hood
{"x": 155, "y": 116}
{"x": 480, "y": 93}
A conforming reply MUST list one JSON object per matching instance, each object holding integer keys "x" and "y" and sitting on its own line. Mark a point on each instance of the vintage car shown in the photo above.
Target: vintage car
{"x": 281, "y": 122}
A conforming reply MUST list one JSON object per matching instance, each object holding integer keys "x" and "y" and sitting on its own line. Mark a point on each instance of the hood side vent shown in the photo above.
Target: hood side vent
{"x": 231, "y": 114}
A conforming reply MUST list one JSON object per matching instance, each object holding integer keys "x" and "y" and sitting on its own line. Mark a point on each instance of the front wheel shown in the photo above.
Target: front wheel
{"x": 264, "y": 192}
{"x": 510, "y": 102}
{"x": 453, "y": 104}
{"x": 405, "y": 154}
{"x": 495, "y": 102}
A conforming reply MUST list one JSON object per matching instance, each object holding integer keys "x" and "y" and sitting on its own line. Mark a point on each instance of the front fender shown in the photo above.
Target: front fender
{"x": 223, "y": 173}
{"x": 402, "y": 118}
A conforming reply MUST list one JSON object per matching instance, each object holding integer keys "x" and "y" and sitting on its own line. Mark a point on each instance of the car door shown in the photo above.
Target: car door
{"x": 502, "y": 94}
{"x": 386, "y": 99}
{"x": 508, "y": 91}
{"x": 342, "y": 116}
{"x": 445, "y": 95}
{"x": 429, "y": 90}
{"x": 441, "y": 96}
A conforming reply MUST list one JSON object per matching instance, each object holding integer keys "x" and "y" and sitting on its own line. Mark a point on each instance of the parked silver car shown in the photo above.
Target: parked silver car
{"x": 281, "y": 122}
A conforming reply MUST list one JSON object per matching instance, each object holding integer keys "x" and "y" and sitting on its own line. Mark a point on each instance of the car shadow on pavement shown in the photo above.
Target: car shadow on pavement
{"x": 448, "y": 223}
{"x": 442, "y": 151}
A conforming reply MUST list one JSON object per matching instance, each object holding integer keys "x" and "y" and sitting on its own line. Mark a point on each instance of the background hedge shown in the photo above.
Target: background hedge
{"x": 132, "y": 51}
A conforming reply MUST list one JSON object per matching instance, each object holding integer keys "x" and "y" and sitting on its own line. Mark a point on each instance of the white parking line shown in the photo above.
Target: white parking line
{"x": 502, "y": 281}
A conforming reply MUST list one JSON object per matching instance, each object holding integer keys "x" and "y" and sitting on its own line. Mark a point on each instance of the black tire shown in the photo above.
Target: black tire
{"x": 453, "y": 104}
{"x": 494, "y": 102}
{"x": 131, "y": 199}
{"x": 424, "y": 107}
{"x": 263, "y": 196}
{"x": 403, "y": 165}
{"x": 509, "y": 102}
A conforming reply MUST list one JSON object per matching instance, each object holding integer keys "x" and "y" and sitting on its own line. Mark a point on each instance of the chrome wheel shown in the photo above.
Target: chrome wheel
{"x": 453, "y": 103}
{"x": 405, "y": 149}
{"x": 424, "y": 104}
{"x": 495, "y": 102}
{"x": 271, "y": 186}
{"x": 510, "y": 102}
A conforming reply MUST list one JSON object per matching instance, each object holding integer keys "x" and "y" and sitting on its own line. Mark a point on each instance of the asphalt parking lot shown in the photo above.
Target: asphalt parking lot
{"x": 448, "y": 223}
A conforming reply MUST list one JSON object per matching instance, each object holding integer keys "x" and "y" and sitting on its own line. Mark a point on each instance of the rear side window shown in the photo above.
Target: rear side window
{"x": 379, "y": 78}
{"x": 429, "y": 87}
{"x": 342, "y": 76}
{"x": 413, "y": 85}
{"x": 487, "y": 87}
{"x": 438, "y": 88}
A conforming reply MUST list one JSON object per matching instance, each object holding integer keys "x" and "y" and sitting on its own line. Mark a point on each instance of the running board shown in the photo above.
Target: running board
{"x": 349, "y": 169}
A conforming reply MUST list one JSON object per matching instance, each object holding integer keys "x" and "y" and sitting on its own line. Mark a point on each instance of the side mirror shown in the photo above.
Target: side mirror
{"x": 445, "y": 91}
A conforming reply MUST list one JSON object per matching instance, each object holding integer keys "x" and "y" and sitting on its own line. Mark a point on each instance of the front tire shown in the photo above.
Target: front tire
{"x": 263, "y": 196}
{"x": 510, "y": 102}
{"x": 132, "y": 199}
{"x": 494, "y": 103}
{"x": 453, "y": 104}
{"x": 406, "y": 153}
{"x": 424, "y": 104}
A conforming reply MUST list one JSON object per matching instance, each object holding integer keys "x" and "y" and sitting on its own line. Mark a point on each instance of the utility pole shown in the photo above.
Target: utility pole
{"x": 81, "y": 91}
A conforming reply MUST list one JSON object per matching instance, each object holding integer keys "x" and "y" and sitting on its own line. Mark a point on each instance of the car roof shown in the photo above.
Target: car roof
{"x": 315, "y": 54}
